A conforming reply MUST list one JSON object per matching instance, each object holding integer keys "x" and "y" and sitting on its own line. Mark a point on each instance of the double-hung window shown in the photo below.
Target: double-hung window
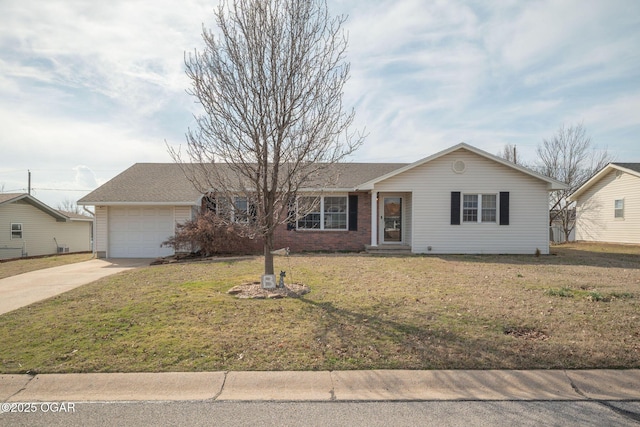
{"x": 323, "y": 213}
{"x": 619, "y": 209}
{"x": 16, "y": 231}
{"x": 470, "y": 208}
{"x": 240, "y": 209}
{"x": 237, "y": 209}
{"x": 479, "y": 208}
{"x": 489, "y": 208}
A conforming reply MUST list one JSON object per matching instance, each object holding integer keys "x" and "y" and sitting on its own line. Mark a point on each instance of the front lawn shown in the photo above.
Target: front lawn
{"x": 579, "y": 308}
{"x": 19, "y": 266}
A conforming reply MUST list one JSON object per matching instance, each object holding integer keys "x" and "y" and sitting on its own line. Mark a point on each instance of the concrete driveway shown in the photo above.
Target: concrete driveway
{"x": 24, "y": 289}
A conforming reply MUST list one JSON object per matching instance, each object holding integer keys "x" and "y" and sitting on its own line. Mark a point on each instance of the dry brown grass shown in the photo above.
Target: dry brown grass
{"x": 578, "y": 308}
{"x": 19, "y": 266}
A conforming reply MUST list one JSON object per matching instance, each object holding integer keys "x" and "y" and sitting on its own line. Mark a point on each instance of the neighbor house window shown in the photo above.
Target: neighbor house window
{"x": 16, "y": 231}
{"x": 619, "y": 208}
{"x": 479, "y": 208}
{"x": 323, "y": 213}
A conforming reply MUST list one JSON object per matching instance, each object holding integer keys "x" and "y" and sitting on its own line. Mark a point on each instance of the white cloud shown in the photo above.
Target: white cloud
{"x": 102, "y": 84}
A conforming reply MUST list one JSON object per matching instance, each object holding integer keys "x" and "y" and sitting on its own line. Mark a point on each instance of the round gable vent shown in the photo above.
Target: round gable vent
{"x": 459, "y": 166}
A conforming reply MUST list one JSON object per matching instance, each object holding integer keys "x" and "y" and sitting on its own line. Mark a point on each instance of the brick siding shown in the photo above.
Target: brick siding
{"x": 312, "y": 240}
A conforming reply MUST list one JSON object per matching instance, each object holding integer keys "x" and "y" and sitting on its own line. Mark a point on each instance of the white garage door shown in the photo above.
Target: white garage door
{"x": 138, "y": 232}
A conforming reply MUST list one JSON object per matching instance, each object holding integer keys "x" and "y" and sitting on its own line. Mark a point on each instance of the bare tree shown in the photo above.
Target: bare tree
{"x": 69, "y": 206}
{"x": 270, "y": 81}
{"x": 509, "y": 153}
{"x": 569, "y": 157}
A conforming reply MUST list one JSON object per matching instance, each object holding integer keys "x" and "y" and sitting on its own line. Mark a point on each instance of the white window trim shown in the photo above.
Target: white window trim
{"x": 21, "y": 231}
{"x": 234, "y": 209}
{"x": 618, "y": 218}
{"x": 479, "y": 209}
{"x": 229, "y": 211}
{"x": 322, "y": 219}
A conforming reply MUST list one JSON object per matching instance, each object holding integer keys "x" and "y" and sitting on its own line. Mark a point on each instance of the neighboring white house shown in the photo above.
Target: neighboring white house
{"x": 31, "y": 228}
{"x": 460, "y": 200}
{"x": 608, "y": 205}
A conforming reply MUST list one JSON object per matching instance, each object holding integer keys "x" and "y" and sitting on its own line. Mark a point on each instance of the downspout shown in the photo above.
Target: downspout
{"x": 94, "y": 245}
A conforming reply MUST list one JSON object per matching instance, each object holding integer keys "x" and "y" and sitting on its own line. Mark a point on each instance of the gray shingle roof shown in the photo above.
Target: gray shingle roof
{"x": 632, "y": 166}
{"x": 166, "y": 183}
{"x": 5, "y": 197}
{"x": 27, "y": 198}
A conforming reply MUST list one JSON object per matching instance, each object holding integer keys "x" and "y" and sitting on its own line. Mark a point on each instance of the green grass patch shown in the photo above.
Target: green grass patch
{"x": 562, "y": 292}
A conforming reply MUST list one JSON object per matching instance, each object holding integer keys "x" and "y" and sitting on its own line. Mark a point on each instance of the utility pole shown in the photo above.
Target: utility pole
{"x": 515, "y": 161}
{"x": 29, "y": 182}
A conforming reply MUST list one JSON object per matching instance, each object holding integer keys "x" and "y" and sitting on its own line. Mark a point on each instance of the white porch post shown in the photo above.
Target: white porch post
{"x": 374, "y": 218}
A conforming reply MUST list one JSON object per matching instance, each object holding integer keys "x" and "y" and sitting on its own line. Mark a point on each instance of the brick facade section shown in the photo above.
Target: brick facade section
{"x": 320, "y": 240}
{"x": 332, "y": 241}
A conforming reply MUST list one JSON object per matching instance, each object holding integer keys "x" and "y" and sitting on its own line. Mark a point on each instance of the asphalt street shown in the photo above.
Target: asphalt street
{"x": 431, "y": 413}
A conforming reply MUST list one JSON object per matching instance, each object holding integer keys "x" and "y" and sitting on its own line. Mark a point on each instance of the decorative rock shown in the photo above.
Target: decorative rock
{"x": 254, "y": 290}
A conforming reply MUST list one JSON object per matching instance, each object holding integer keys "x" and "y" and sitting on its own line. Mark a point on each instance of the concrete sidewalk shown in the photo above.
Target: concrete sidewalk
{"x": 27, "y": 288}
{"x": 377, "y": 385}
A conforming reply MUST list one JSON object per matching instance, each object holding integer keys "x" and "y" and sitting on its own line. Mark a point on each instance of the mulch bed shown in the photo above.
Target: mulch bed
{"x": 254, "y": 290}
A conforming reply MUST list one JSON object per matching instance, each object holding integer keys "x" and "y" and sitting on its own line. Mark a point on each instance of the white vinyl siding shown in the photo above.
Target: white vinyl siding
{"x": 596, "y": 210}
{"x": 183, "y": 213}
{"x": 101, "y": 231}
{"x": 430, "y": 186}
{"x": 38, "y": 232}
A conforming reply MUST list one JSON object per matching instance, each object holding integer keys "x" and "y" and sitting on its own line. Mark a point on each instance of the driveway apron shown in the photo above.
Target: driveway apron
{"x": 27, "y": 288}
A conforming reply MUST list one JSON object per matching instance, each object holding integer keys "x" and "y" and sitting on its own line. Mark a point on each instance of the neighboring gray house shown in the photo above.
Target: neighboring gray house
{"x": 31, "y": 228}
{"x": 608, "y": 205}
{"x": 460, "y": 200}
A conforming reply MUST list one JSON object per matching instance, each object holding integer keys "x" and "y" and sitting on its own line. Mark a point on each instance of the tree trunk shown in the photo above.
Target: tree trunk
{"x": 268, "y": 256}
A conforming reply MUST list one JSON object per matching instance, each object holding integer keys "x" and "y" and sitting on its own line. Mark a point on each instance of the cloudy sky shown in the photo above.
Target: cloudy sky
{"x": 89, "y": 88}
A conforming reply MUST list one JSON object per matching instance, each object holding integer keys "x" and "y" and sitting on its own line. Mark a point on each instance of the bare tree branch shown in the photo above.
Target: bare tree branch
{"x": 569, "y": 157}
{"x": 270, "y": 81}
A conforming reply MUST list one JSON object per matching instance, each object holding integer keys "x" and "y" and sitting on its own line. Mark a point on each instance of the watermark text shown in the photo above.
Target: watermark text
{"x": 32, "y": 407}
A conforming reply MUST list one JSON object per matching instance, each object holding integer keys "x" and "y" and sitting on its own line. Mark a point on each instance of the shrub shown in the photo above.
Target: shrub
{"x": 209, "y": 234}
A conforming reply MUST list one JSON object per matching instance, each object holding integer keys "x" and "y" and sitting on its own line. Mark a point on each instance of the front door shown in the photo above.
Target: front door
{"x": 392, "y": 219}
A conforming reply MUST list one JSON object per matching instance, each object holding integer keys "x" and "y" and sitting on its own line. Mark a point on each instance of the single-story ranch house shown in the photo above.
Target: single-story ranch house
{"x": 608, "y": 205}
{"x": 460, "y": 200}
{"x": 31, "y": 228}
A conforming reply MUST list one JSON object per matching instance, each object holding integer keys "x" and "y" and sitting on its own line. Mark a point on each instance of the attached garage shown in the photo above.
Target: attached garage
{"x": 138, "y": 232}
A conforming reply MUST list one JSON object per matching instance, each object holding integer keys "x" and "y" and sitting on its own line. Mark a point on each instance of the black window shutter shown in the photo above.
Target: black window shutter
{"x": 455, "y": 208}
{"x": 504, "y": 208}
{"x": 253, "y": 213}
{"x": 209, "y": 203}
{"x": 353, "y": 212}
